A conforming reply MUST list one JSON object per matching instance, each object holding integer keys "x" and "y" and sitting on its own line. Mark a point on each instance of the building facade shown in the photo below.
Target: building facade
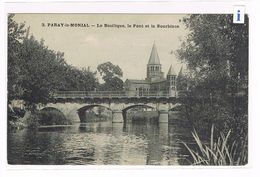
{"x": 155, "y": 83}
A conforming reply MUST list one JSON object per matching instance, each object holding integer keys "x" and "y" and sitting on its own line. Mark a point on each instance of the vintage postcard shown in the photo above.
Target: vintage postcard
{"x": 127, "y": 89}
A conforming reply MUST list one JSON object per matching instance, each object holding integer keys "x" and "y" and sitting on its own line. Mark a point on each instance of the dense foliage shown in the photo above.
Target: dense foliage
{"x": 216, "y": 54}
{"x": 15, "y": 35}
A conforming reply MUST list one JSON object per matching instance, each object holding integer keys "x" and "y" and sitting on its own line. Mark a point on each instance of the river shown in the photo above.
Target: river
{"x": 103, "y": 143}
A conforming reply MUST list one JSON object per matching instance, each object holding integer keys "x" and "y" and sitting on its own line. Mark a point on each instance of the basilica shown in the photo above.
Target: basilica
{"x": 155, "y": 83}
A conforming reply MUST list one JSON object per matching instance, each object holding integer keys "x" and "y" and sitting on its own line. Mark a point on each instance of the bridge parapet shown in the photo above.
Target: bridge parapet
{"x": 108, "y": 94}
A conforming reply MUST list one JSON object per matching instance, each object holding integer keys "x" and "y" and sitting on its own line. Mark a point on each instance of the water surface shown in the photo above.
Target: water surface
{"x": 100, "y": 144}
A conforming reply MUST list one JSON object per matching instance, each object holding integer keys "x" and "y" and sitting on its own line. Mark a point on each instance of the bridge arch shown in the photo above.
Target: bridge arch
{"x": 138, "y": 105}
{"x": 124, "y": 111}
{"x": 87, "y": 107}
{"x": 50, "y": 108}
{"x": 52, "y": 116}
{"x": 82, "y": 111}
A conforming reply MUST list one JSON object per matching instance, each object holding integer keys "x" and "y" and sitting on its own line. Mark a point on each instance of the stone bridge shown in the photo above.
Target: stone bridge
{"x": 74, "y": 110}
{"x": 75, "y": 104}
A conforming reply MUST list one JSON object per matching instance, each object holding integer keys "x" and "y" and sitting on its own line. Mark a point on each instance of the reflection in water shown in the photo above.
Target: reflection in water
{"x": 100, "y": 143}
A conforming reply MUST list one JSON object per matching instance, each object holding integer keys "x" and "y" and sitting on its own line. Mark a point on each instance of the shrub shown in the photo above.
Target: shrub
{"x": 15, "y": 116}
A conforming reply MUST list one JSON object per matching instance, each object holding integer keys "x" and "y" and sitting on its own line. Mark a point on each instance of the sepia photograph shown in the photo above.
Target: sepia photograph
{"x": 127, "y": 89}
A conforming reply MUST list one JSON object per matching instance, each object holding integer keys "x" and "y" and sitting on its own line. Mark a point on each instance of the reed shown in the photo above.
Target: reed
{"x": 218, "y": 151}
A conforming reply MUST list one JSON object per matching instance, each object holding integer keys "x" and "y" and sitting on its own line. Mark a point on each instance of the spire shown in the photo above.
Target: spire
{"x": 154, "y": 58}
{"x": 171, "y": 71}
{"x": 180, "y": 72}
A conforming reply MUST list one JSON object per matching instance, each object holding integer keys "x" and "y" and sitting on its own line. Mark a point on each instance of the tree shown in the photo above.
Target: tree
{"x": 46, "y": 71}
{"x": 74, "y": 79}
{"x": 111, "y": 74}
{"x": 216, "y": 51}
{"x": 40, "y": 69}
{"x": 181, "y": 81}
{"x": 87, "y": 80}
{"x": 216, "y": 54}
{"x": 15, "y": 36}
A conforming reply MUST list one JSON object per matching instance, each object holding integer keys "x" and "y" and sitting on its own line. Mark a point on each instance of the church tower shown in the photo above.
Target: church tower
{"x": 172, "y": 80}
{"x": 154, "y": 68}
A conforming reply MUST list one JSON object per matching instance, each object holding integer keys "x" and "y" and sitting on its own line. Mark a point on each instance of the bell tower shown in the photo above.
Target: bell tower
{"x": 154, "y": 68}
{"x": 172, "y": 80}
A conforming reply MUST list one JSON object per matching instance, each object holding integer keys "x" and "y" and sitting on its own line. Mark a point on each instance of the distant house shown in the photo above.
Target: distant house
{"x": 155, "y": 82}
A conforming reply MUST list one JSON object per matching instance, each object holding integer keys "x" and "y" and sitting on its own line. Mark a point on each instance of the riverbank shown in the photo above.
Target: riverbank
{"x": 15, "y": 118}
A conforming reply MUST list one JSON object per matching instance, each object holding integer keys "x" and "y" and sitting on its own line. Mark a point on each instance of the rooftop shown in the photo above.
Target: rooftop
{"x": 171, "y": 71}
{"x": 138, "y": 81}
{"x": 154, "y": 58}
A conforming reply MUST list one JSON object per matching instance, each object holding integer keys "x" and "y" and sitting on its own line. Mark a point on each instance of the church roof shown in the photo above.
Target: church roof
{"x": 180, "y": 73}
{"x": 154, "y": 58}
{"x": 171, "y": 71}
{"x": 158, "y": 80}
{"x": 137, "y": 81}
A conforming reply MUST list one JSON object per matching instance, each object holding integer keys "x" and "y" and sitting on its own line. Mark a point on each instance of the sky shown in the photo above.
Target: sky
{"x": 129, "y": 48}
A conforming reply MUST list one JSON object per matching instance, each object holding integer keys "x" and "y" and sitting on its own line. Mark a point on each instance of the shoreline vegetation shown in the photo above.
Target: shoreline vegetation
{"x": 19, "y": 119}
{"x": 216, "y": 107}
{"x": 218, "y": 151}
{"x": 216, "y": 54}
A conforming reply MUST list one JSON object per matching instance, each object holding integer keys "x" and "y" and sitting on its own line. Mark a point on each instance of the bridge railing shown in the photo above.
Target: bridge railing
{"x": 107, "y": 94}
{"x": 138, "y": 94}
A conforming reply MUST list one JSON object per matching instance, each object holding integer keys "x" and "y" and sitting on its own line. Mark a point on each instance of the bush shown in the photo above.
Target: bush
{"x": 15, "y": 116}
{"x": 52, "y": 116}
{"x": 15, "y": 113}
